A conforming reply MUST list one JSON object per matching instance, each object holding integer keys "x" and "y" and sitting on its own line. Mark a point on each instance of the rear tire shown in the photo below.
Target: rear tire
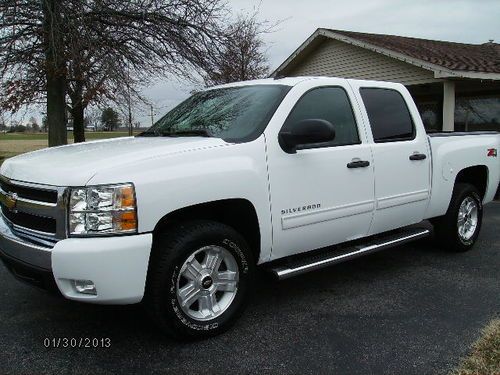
{"x": 200, "y": 277}
{"x": 458, "y": 229}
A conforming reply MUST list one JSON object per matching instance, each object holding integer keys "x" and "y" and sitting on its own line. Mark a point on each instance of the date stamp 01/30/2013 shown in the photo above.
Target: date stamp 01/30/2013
{"x": 77, "y": 342}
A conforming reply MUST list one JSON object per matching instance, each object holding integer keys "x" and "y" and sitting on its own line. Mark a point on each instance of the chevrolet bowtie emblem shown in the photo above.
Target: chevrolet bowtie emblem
{"x": 11, "y": 201}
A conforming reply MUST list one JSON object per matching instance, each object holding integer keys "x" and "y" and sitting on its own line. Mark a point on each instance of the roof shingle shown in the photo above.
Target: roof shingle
{"x": 454, "y": 56}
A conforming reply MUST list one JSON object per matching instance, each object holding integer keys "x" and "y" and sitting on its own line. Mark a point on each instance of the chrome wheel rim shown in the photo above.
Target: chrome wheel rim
{"x": 467, "y": 219}
{"x": 207, "y": 283}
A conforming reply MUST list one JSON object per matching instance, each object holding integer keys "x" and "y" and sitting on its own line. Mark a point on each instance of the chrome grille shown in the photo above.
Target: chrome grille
{"x": 35, "y": 212}
{"x": 26, "y": 191}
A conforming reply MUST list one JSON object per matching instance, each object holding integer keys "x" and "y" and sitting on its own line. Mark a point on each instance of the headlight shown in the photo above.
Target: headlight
{"x": 105, "y": 209}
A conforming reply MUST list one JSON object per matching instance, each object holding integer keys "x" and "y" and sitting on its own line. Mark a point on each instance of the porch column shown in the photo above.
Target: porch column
{"x": 448, "y": 106}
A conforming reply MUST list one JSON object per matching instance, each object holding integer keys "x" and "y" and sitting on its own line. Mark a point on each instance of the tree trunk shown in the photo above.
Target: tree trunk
{"x": 56, "y": 114}
{"x": 77, "y": 112}
{"x": 78, "y": 124}
{"x": 55, "y": 72}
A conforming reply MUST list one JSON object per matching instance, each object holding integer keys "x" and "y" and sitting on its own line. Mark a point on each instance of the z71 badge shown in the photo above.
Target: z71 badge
{"x": 492, "y": 152}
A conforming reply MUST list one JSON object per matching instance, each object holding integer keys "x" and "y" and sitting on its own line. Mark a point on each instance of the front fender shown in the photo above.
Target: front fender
{"x": 169, "y": 183}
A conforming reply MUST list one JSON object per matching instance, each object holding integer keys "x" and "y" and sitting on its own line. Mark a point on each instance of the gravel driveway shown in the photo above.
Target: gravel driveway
{"x": 409, "y": 310}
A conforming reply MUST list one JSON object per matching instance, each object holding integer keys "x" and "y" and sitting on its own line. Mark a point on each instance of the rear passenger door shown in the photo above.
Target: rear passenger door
{"x": 401, "y": 156}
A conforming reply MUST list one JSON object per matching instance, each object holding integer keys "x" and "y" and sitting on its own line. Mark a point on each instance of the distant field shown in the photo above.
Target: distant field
{"x": 43, "y": 136}
{"x": 12, "y": 144}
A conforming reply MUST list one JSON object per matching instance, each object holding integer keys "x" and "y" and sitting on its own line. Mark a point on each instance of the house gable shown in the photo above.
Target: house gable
{"x": 339, "y": 59}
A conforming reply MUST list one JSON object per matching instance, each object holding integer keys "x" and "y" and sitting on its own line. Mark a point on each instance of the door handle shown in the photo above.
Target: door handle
{"x": 418, "y": 156}
{"x": 358, "y": 164}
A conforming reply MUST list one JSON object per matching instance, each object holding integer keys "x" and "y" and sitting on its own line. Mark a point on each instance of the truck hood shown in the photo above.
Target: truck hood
{"x": 74, "y": 165}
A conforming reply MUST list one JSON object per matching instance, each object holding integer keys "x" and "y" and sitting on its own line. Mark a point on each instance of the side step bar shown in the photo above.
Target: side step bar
{"x": 297, "y": 267}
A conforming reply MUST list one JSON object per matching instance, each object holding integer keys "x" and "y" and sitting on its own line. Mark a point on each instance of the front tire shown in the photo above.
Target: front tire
{"x": 200, "y": 277}
{"x": 459, "y": 228}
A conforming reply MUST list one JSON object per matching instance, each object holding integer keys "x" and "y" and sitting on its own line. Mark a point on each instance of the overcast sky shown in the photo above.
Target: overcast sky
{"x": 467, "y": 21}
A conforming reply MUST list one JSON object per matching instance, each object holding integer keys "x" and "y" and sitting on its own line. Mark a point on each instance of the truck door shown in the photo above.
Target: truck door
{"x": 401, "y": 156}
{"x": 324, "y": 193}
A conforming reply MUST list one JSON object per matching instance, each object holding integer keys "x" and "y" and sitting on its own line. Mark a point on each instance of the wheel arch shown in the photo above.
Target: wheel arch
{"x": 477, "y": 176}
{"x": 238, "y": 213}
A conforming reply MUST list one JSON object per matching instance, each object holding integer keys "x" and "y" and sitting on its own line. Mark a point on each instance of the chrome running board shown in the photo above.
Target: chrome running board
{"x": 311, "y": 263}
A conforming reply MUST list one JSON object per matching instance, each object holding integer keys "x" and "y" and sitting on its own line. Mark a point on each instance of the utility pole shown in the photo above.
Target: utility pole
{"x": 152, "y": 114}
{"x": 129, "y": 100}
{"x": 130, "y": 132}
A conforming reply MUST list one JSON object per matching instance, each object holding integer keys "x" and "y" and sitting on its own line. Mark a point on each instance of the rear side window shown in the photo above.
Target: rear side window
{"x": 389, "y": 116}
{"x": 330, "y": 104}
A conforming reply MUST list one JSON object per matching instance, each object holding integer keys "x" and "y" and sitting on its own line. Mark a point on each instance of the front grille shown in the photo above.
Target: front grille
{"x": 42, "y": 195}
{"x": 40, "y": 223}
{"x": 39, "y": 212}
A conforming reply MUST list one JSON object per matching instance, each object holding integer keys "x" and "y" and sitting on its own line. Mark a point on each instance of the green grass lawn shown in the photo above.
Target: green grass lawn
{"x": 43, "y": 136}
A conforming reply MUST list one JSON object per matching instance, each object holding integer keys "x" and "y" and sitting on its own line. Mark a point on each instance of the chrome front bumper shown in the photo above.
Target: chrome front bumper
{"x": 21, "y": 250}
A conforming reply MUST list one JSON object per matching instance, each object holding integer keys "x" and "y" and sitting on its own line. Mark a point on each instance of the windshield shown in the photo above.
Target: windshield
{"x": 235, "y": 114}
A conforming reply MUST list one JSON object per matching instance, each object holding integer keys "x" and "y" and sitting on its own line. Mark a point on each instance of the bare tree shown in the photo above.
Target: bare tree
{"x": 92, "y": 119}
{"x": 86, "y": 48}
{"x": 45, "y": 125}
{"x": 32, "y": 62}
{"x": 243, "y": 56}
{"x": 55, "y": 70}
{"x": 33, "y": 124}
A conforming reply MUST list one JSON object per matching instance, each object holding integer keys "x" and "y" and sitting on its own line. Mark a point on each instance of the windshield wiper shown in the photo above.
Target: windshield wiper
{"x": 178, "y": 133}
{"x": 149, "y": 133}
{"x": 187, "y": 133}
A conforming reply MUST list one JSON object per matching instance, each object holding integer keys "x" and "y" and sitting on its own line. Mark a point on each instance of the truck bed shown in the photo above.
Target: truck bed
{"x": 453, "y": 152}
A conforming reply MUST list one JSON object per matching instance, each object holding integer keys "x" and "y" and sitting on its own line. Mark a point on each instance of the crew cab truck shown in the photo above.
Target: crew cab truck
{"x": 289, "y": 174}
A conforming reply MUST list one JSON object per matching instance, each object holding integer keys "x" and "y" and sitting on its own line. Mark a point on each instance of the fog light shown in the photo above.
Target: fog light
{"x": 85, "y": 287}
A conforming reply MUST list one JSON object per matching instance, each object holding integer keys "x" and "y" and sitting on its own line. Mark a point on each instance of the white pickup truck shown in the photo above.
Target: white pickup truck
{"x": 268, "y": 173}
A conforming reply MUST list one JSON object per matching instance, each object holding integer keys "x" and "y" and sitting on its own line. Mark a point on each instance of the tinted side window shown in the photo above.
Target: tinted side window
{"x": 330, "y": 104}
{"x": 389, "y": 116}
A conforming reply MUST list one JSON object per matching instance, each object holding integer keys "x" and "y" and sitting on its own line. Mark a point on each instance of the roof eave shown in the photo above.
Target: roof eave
{"x": 296, "y": 53}
{"x": 469, "y": 74}
{"x": 440, "y": 72}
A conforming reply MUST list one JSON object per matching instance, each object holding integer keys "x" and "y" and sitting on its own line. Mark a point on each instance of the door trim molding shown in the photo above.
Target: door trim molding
{"x": 401, "y": 199}
{"x": 326, "y": 214}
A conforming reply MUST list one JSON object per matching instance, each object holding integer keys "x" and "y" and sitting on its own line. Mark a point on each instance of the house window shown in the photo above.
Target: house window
{"x": 474, "y": 113}
{"x": 431, "y": 113}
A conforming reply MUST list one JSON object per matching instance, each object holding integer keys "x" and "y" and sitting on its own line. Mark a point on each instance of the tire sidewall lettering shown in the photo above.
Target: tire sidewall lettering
{"x": 237, "y": 250}
{"x": 174, "y": 303}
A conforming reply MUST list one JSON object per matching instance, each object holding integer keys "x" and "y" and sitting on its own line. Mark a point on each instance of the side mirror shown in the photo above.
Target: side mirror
{"x": 304, "y": 133}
